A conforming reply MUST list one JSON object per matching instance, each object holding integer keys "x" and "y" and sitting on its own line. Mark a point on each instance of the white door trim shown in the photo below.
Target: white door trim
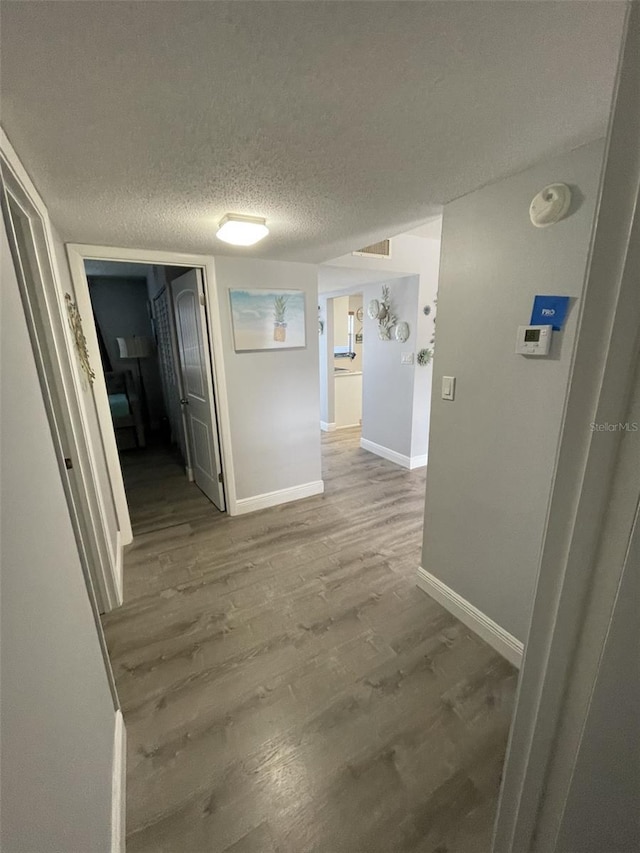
{"x": 57, "y": 366}
{"x": 563, "y": 648}
{"x": 78, "y": 253}
{"x": 119, "y": 786}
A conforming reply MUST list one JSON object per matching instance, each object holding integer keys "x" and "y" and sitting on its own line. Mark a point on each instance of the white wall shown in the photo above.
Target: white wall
{"x": 57, "y": 720}
{"x": 274, "y": 406}
{"x": 492, "y": 450}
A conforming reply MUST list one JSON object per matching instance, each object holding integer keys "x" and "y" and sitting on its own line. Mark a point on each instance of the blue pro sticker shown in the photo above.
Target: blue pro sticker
{"x": 550, "y": 311}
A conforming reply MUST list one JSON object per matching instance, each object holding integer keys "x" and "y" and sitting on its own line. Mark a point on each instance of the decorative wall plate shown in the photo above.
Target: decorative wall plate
{"x": 75, "y": 321}
{"x": 424, "y": 357}
{"x": 402, "y": 332}
{"x": 374, "y": 309}
{"x": 359, "y": 314}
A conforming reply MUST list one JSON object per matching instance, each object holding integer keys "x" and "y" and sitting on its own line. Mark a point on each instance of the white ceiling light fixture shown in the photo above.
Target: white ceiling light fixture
{"x": 241, "y": 230}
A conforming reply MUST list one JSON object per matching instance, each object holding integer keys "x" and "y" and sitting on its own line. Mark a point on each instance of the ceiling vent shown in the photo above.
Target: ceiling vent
{"x": 376, "y": 250}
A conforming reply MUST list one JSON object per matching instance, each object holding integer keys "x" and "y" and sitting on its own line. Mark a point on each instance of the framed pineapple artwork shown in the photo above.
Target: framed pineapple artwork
{"x": 268, "y": 319}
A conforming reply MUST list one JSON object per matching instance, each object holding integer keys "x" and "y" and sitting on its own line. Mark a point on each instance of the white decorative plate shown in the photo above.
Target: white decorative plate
{"x": 374, "y": 309}
{"x": 402, "y": 332}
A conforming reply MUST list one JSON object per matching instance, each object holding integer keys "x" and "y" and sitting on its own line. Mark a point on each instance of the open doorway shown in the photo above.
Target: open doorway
{"x": 347, "y": 376}
{"x": 152, "y": 338}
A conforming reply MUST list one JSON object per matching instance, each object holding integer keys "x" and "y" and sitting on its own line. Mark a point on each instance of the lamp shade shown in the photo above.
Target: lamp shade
{"x": 135, "y": 347}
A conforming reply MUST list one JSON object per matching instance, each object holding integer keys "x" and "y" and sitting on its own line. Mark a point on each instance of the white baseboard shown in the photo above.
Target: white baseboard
{"x": 327, "y": 427}
{"x": 409, "y": 462}
{"x": 348, "y": 426}
{"x": 385, "y": 452}
{"x": 283, "y": 496}
{"x": 418, "y": 461}
{"x": 119, "y": 570}
{"x": 118, "y": 786}
{"x": 499, "y": 639}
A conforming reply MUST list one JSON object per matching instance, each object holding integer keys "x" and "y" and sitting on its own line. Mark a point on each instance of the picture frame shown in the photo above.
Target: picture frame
{"x": 268, "y": 319}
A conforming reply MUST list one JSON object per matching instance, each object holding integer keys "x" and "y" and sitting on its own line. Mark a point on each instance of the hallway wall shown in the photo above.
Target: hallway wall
{"x": 273, "y": 395}
{"x": 492, "y": 450}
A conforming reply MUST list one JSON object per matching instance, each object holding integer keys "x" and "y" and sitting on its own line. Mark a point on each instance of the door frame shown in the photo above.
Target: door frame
{"x": 77, "y": 254}
{"x": 59, "y": 378}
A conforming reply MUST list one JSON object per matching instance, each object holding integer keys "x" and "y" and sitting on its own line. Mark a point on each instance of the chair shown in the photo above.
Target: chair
{"x": 126, "y": 408}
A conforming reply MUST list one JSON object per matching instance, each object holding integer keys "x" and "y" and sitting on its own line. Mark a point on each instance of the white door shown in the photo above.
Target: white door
{"x": 198, "y": 400}
{"x": 68, "y": 396}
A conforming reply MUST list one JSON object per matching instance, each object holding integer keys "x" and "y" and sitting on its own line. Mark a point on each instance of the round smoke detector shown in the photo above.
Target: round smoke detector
{"x": 550, "y": 205}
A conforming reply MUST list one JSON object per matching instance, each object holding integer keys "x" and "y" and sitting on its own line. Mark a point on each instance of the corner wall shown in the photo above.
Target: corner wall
{"x": 388, "y": 385}
{"x": 492, "y": 450}
{"x": 273, "y": 396}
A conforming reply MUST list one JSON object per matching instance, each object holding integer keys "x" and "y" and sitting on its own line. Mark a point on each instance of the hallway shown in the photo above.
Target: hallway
{"x": 285, "y": 685}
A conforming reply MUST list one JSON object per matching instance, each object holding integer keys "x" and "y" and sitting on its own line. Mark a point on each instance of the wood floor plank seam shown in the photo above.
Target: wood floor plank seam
{"x": 286, "y": 687}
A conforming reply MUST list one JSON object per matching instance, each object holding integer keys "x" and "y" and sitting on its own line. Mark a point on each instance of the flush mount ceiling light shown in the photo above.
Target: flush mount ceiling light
{"x": 242, "y": 230}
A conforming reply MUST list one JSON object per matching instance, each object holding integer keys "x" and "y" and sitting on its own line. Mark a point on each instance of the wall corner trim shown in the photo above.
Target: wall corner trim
{"x": 499, "y": 639}
{"x": 327, "y": 427}
{"x": 418, "y": 461}
{"x": 119, "y": 786}
{"x": 409, "y": 462}
{"x": 282, "y": 496}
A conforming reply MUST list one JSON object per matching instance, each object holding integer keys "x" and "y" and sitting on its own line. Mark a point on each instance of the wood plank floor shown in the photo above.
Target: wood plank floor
{"x": 285, "y": 685}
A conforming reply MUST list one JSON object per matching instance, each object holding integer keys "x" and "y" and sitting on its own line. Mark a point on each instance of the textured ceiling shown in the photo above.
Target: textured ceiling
{"x": 334, "y": 279}
{"x": 142, "y": 123}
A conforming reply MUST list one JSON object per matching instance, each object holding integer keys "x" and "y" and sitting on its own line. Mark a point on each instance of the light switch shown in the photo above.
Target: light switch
{"x": 448, "y": 387}
{"x": 407, "y": 358}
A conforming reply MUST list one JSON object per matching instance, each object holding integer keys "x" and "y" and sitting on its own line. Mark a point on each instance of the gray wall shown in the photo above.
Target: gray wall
{"x": 121, "y": 308}
{"x": 57, "y": 717}
{"x": 274, "y": 403}
{"x": 387, "y": 389}
{"x": 492, "y": 450}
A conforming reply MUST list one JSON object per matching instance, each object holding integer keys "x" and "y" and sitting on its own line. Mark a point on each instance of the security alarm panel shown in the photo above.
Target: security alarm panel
{"x": 533, "y": 340}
